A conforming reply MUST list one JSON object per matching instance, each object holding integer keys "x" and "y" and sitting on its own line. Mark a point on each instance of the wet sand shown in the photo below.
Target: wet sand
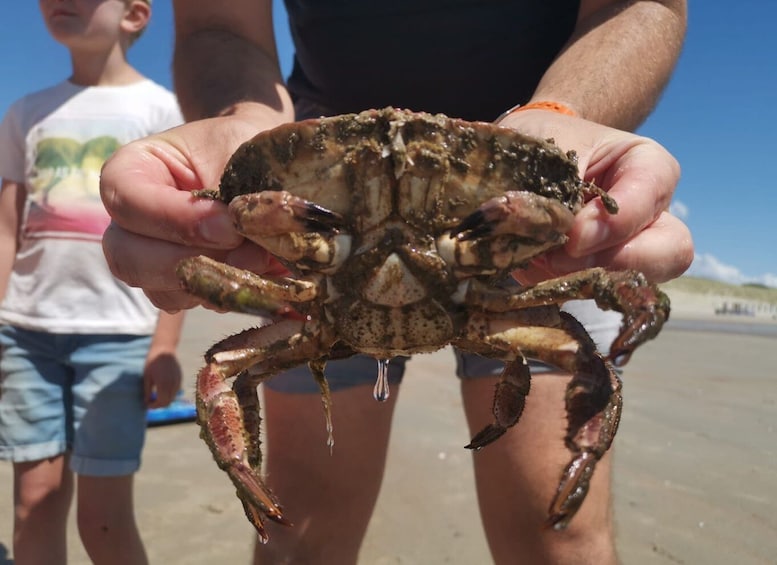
{"x": 695, "y": 465}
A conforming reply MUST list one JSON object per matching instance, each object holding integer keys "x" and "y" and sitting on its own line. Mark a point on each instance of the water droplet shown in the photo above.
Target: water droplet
{"x": 381, "y": 390}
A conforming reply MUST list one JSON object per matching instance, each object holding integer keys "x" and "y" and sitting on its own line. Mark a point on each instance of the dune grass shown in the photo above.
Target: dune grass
{"x": 698, "y": 285}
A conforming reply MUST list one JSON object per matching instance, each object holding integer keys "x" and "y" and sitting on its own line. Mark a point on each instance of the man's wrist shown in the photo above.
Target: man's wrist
{"x": 548, "y": 105}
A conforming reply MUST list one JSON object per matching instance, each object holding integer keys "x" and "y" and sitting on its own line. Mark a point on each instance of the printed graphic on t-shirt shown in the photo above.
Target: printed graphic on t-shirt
{"x": 64, "y": 186}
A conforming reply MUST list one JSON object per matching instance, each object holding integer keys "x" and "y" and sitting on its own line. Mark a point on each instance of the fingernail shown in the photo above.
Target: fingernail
{"x": 219, "y": 229}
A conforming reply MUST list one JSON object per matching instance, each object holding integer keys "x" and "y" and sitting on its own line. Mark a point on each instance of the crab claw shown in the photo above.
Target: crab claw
{"x": 279, "y": 212}
{"x": 518, "y": 213}
{"x": 320, "y": 219}
{"x": 474, "y": 226}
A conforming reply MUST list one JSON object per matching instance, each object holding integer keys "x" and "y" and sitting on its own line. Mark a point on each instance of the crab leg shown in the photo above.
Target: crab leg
{"x": 317, "y": 370}
{"x": 590, "y": 433}
{"x": 223, "y": 411}
{"x": 644, "y": 307}
{"x": 238, "y": 290}
{"x": 593, "y": 397}
{"x": 221, "y": 420}
{"x": 245, "y": 389}
{"x": 509, "y": 401}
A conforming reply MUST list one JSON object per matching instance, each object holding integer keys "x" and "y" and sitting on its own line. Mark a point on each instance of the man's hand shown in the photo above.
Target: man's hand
{"x": 146, "y": 189}
{"x": 640, "y": 175}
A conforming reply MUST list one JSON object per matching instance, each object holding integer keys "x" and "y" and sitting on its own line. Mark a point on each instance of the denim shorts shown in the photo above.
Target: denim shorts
{"x": 362, "y": 369}
{"x": 81, "y": 394}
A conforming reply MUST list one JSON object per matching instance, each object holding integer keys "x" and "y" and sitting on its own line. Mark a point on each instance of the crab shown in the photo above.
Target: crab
{"x": 400, "y": 231}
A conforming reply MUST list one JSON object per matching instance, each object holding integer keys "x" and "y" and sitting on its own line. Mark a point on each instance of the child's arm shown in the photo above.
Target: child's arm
{"x": 162, "y": 374}
{"x": 11, "y": 204}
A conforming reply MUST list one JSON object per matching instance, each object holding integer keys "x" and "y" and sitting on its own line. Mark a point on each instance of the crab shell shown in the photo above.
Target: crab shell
{"x": 399, "y": 183}
{"x": 475, "y": 161}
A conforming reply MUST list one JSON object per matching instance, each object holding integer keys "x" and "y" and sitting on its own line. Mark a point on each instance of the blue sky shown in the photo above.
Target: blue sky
{"x": 718, "y": 117}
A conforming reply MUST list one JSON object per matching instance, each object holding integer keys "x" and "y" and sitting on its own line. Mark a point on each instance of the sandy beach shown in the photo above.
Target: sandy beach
{"x": 695, "y": 461}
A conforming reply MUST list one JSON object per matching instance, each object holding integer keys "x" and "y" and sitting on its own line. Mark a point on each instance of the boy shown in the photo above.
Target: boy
{"x": 83, "y": 355}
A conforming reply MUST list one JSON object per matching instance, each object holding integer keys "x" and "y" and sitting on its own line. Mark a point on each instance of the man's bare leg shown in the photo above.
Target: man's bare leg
{"x": 329, "y": 498}
{"x": 517, "y": 476}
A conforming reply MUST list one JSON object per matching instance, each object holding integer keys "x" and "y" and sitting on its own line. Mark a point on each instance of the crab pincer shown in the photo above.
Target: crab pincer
{"x": 273, "y": 213}
{"x": 517, "y": 213}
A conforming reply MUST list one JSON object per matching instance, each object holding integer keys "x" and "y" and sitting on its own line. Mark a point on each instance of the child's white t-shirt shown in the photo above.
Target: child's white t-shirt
{"x": 55, "y": 142}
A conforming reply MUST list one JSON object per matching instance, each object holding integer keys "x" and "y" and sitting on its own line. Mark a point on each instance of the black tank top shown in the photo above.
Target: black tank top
{"x": 470, "y": 59}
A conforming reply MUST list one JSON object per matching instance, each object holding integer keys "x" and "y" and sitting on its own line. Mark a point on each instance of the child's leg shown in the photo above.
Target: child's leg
{"x": 106, "y": 520}
{"x": 42, "y": 493}
{"x": 110, "y": 418}
{"x": 34, "y": 435}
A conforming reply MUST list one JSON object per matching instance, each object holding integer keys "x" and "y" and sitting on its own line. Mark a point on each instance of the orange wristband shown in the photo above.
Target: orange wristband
{"x": 552, "y": 106}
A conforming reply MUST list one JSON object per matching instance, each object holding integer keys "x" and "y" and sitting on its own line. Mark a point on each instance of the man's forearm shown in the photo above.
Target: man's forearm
{"x": 618, "y": 62}
{"x": 225, "y": 60}
{"x": 219, "y": 73}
